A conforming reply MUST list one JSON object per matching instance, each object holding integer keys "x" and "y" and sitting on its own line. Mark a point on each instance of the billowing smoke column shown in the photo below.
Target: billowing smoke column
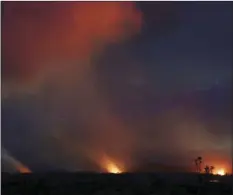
{"x": 50, "y": 49}
{"x": 35, "y": 36}
{"x": 53, "y": 44}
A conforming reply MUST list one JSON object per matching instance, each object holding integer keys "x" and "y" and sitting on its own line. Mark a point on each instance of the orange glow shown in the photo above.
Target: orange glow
{"x": 64, "y": 30}
{"x": 220, "y": 172}
{"x": 222, "y": 163}
{"x": 110, "y": 166}
{"x": 23, "y": 169}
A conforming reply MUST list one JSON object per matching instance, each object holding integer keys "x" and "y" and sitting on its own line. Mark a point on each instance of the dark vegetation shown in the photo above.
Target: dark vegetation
{"x": 198, "y": 162}
{"x": 128, "y": 183}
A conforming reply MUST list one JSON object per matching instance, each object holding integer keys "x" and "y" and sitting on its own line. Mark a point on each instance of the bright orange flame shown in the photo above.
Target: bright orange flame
{"x": 110, "y": 166}
{"x": 220, "y": 172}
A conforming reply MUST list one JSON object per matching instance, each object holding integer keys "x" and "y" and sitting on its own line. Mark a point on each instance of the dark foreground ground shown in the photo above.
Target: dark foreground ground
{"x": 111, "y": 184}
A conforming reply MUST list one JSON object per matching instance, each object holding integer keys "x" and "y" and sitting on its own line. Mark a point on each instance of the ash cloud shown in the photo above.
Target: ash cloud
{"x": 49, "y": 49}
{"x": 69, "y": 121}
{"x": 37, "y": 35}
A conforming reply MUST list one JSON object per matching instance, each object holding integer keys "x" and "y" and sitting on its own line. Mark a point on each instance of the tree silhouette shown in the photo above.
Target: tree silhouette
{"x": 211, "y": 169}
{"x": 207, "y": 169}
{"x": 198, "y": 162}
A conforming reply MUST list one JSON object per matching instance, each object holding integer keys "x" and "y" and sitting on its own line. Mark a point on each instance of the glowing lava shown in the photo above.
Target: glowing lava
{"x": 220, "y": 172}
{"x": 112, "y": 168}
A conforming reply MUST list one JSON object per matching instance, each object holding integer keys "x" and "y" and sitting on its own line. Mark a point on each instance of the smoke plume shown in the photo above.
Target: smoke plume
{"x": 38, "y": 35}
{"x": 49, "y": 47}
{"x": 10, "y": 164}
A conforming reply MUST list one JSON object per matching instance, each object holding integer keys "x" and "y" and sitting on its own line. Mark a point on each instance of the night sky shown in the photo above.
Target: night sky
{"x": 133, "y": 82}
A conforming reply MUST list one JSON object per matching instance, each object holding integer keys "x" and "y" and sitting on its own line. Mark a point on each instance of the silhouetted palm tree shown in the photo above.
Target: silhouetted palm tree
{"x": 211, "y": 169}
{"x": 198, "y": 162}
{"x": 207, "y": 169}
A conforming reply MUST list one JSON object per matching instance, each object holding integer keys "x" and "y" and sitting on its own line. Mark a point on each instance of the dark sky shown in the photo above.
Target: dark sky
{"x": 161, "y": 92}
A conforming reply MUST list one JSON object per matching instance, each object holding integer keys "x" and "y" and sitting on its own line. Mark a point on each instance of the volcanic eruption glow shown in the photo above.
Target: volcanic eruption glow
{"x": 220, "y": 172}
{"x": 111, "y": 166}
